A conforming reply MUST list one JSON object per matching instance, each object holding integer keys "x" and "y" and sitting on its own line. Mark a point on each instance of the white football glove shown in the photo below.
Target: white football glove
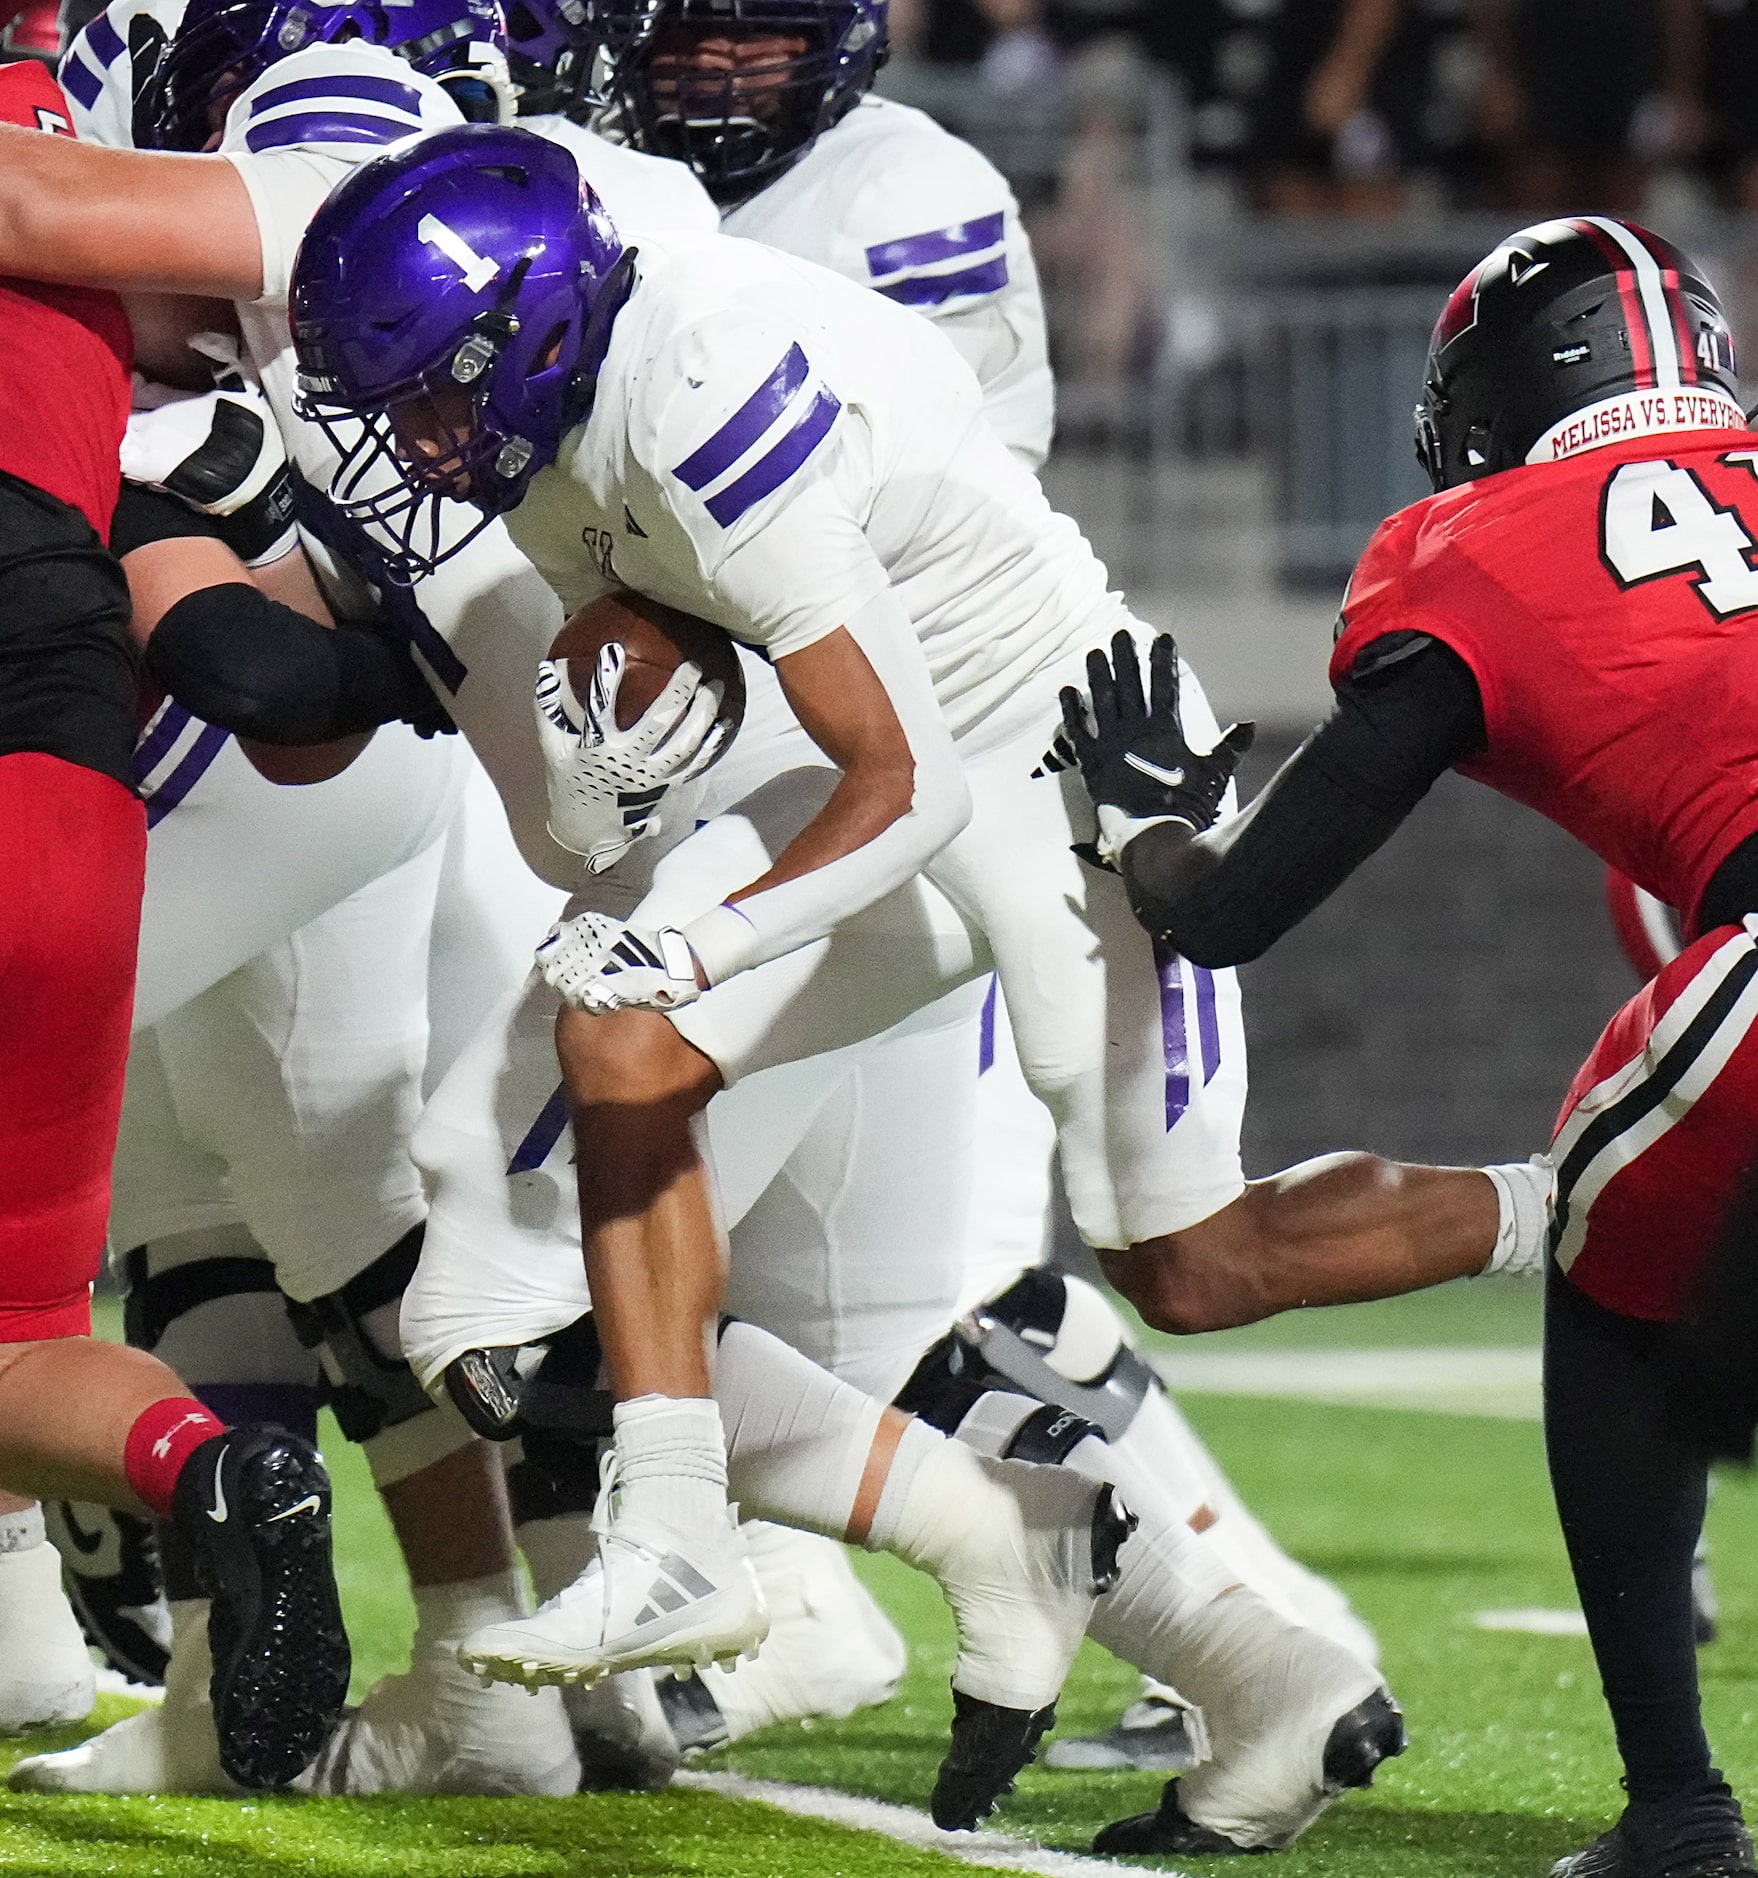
{"x": 599, "y": 964}
{"x": 222, "y": 454}
{"x": 606, "y": 784}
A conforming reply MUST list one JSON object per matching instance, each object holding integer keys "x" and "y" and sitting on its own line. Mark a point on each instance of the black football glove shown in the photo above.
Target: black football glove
{"x": 1132, "y": 753}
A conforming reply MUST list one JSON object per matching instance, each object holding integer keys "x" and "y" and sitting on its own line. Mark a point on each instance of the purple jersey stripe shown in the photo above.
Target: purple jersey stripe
{"x": 986, "y": 1034}
{"x": 543, "y": 1134}
{"x": 186, "y": 775}
{"x": 80, "y": 81}
{"x": 1208, "y": 1023}
{"x": 1172, "y": 1032}
{"x": 937, "y": 289}
{"x": 942, "y": 244}
{"x": 746, "y": 424}
{"x": 104, "y": 40}
{"x": 770, "y": 472}
{"x": 155, "y": 746}
{"x": 391, "y": 91}
{"x": 327, "y": 127}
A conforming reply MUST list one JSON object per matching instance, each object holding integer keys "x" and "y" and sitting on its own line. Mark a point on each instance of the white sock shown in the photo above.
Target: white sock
{"x": 671, "y": 1452}
{"x": 446, "y": 1614}
{"x": 797, "y": 1439}
{"x": 1524, "y": 1193}
{"x": 22, "y": 1531}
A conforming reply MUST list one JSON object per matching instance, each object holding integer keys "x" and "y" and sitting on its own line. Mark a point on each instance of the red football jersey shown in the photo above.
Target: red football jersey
{"x": 1608, "y": 608}
{"x": 65, "y": 354}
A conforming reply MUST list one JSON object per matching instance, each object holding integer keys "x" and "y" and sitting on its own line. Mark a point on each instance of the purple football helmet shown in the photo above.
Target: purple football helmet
{"x": 451, "y": 306}
{"x": 221, "y": 46}
{"x": 738, "y": 130}
{"x": 550, "y": 51}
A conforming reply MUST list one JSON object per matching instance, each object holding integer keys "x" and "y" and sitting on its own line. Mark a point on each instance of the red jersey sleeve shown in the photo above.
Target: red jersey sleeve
{"x": 65, "y": 354}
{"x": 30, "y": 97}
{"x": 1398, "y": 587}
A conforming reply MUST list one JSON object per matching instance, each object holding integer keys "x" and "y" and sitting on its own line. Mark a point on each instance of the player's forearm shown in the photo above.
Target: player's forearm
{"x": 1224, "y": 898}
{"x": 902, "y": 796}
{"x": 125, "y": 219}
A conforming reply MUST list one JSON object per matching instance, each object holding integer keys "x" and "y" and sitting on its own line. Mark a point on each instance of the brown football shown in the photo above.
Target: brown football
{"x": 656, "y": 640}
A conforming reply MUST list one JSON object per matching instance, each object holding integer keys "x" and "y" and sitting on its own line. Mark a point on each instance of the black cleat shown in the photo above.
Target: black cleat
{"x": 253, "y": 1505}
{"x": 1372, "y": 1731}
{"x": 1701, "y": 1837}
{"x": 110, "y": 1572}
{"x": 990, "y": 1745}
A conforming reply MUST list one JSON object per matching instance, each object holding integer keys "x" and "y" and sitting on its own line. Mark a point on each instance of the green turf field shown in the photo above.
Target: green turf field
{"x": 1425, "y": 1518}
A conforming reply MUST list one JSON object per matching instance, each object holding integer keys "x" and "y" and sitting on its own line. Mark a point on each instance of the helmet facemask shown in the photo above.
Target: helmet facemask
{"x": 737, "y": 93}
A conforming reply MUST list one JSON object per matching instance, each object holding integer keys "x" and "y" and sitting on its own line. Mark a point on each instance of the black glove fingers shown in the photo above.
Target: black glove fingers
{"x": 1102, "y": 688}
{"x": 1234, "y": 745}
{"x": 1163, "y": 679}
{"x": 1131, "y": 705}
{"x": 1074, "y": 724}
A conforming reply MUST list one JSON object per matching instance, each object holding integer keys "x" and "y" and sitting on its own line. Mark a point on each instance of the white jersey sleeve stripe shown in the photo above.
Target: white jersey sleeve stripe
{"x": 103, "y": 42}
{"x": 771, "y": 471}
{"x": 362, "y": 87}
{"x": 79, "y": 80}
{"x": 961, "y": 242}
{"x": 936, "y": 289}
{"x": 321, "y": 127}
{"x": 747, "y": 424}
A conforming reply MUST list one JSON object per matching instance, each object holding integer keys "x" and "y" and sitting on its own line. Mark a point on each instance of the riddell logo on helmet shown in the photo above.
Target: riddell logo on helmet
{"x": 1637, "y": 414}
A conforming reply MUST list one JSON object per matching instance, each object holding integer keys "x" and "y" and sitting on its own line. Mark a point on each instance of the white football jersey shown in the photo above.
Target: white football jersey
{"x": 98, "y": 69}
{"x": 641, "y": 192}
{"x": 891, "y": 201}
{"x": 774, "y": 448}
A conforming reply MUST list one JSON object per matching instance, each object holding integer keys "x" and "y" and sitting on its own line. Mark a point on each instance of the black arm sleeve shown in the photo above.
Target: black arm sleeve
{"x": 265, "y": 671}
{"x": 1410, "y": 710}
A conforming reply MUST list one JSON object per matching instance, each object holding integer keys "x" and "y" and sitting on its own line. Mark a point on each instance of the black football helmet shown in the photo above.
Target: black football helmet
{"x": 1589, "y": 318}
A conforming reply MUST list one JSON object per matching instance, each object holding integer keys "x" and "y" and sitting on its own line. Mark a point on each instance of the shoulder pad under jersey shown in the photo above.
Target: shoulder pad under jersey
{"x": 109, "y": 62}
{"x": 918, "y": 214}
{"x": 349, "y": 100}
{"x": 731, "y": 409}
{"x": 641, "y": 193}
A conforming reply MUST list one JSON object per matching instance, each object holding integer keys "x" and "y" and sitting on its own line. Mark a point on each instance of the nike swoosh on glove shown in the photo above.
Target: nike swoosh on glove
{"x": 1132, "y": 752}
{"x": 598, "y": 964}
{"x": 606, "y": 784}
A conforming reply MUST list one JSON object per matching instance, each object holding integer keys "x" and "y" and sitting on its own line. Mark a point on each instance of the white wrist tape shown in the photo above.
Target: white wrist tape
{"x": 1524, "y": 1192}
{"x": 724, "y": 942}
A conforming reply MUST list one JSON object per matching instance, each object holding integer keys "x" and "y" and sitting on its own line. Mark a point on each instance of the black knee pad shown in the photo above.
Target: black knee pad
{"x": 366, "y": 1390}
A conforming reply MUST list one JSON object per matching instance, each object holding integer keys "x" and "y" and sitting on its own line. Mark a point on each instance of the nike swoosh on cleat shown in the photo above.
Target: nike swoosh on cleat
{"x": 310, "y": 1504}
{"x": 1170, "y": 777}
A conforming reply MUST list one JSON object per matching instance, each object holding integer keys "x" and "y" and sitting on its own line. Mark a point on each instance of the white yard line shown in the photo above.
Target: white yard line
{"x": 908, "y": 1827}
{"x": 1447, "y": 1380}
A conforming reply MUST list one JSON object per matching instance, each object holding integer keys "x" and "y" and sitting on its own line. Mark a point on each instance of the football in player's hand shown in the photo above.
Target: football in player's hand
{"x": 656, "y": 639}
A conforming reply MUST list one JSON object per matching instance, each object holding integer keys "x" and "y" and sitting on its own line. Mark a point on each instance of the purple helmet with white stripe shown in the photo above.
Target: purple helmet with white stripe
{"x": 452, "y": 303}
{"x": 221, "y": 46}
{"x": 738, "y": 121}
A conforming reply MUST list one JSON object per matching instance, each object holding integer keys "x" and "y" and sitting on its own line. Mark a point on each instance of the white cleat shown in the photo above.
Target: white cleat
{"x": 1022, "y": 1579}
{"x": 171, "y": 1748}
{"x": 46, "y": 1676}
{"x": 1293, "y": 1719}
{"x": 437, "y": 1730}
{"x": 830, "y": 1649}
{"x": 653, "y": 1597}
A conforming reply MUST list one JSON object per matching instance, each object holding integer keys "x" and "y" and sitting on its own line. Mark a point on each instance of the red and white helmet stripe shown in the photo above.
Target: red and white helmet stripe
{"x": 1662, "y": 356}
